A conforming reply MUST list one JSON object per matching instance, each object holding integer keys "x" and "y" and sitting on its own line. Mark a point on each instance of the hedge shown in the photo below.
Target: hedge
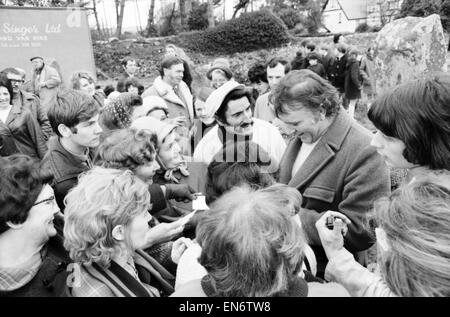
{"x": 251, "y": 31}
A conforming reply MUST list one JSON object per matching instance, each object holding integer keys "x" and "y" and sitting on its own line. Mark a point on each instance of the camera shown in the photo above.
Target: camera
{"x": 330, "y": 222}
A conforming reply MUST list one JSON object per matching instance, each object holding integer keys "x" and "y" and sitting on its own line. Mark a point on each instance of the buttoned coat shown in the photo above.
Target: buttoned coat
{"x": 343, "y": 173}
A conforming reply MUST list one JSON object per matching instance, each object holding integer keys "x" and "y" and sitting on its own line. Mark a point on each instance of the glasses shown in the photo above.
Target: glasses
{"x": 52, "y": 198}
{"x": 14, "y": 81}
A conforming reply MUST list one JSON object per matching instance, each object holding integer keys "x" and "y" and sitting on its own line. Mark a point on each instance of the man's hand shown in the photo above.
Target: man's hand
{"x": 332, "y": 239}
{"x": 180, "y": 192}
{"x": 163, "y": 232}
{"x": 178, "y": 249}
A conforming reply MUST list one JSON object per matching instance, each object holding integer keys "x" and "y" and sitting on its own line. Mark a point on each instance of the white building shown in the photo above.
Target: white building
{"x": 342, "y": 16}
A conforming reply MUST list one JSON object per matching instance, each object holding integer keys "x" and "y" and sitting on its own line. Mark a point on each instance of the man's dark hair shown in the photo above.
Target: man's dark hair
{"x": 168, "y": 62}
{"x": 311, "y": 46}
{"x": 233, "y": 95}
{"x": 70, "y": 108}
{"x": 257, "y": 73}
{"x": 133, "y": 81}
{"x": 108, "y": 89}
{"x": 336, "y": 38}
{"x": 274, "y": 61}
{"x": 126, "y": 60}
{"x": 21, "y": 182}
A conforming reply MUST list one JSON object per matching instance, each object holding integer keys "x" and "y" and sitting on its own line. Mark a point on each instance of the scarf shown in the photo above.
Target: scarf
{"x": 123, "y": 284}
{"x": 297, "y": 288}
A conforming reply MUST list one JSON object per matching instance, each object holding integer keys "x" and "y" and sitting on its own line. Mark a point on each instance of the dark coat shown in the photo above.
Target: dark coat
{"x": 343, "y": 173}
{"x": 353, "y": 80}
{"x": 50, "y": 280}
{"x": 337, "y": 71}
{"x": 318, "y": 69}
{"x": 23, "y": 128}
{"x": 32, "y": 103}
{"x": 65, "y": 168}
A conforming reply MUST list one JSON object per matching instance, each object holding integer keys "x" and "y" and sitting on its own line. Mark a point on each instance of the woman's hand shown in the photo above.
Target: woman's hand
{"x": 332, "y": 239}
{"x": 163, "y": 232}
{"x": 178, "y": 249}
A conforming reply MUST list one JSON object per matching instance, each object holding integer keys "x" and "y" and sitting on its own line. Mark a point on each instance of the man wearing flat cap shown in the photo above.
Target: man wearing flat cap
{"x": 230, "y": 105}
{"x": 46, "y": 81}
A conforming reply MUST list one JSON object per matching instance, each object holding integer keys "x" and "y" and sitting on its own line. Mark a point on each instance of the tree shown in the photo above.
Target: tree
{"x": 120, "y": 8}
{"x": 424, "y": 8}
{"x": 210, "y": 11}
{"x": 241, "y": 5}
{"x": 150, "y": 28}
{"x": 183, "y": 14}
{"x": 94, "y": 9}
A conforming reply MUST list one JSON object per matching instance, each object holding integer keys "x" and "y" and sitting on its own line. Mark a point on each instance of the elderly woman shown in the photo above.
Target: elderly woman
{"x": 330, "y": 161}
{"x": 413, "y": 126}
{"x": 219, "y": 73}
{"x": 413, "y": 243}
{"x": 19, "y": 129}
{"x": 106, "y": 228}
{"x": 253, "y": 246}
{"x": 84, "y": 81}
{"x": 33, "y": 259}
{"x": 118, "y": 113}
{"x": 174, "y": 168}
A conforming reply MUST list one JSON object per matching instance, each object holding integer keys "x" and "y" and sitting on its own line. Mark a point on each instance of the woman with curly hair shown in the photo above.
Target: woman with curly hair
{"x": 106, "y": 228}
{"x": 84, "y": 81}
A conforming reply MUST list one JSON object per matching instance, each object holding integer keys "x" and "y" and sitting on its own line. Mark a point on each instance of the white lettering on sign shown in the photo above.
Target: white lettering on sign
{"x": 50, "y": 28}
{"x": 21, "y": 30}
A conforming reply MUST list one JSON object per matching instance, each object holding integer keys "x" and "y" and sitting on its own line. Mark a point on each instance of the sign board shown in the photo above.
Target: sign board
{"x": 60, "y": 34}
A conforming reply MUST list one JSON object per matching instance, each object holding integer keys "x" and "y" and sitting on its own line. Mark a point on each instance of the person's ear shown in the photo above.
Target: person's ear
{"x": 118, "y": 233}
{"x": 14, "y": 226}
{"x": 64, "y": 130}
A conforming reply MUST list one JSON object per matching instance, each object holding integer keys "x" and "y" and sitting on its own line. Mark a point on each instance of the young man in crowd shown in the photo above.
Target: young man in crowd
{"x": 74, "y": 119}
{"x": 276, "y": 69}
{"x": 131, "y": 69}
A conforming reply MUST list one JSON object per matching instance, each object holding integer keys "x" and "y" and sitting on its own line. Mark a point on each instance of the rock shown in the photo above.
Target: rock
{"x": 409, "y": 48}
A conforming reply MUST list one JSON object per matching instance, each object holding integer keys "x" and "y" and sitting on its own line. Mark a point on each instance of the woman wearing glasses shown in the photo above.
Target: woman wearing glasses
{"x": 33, "y": 259}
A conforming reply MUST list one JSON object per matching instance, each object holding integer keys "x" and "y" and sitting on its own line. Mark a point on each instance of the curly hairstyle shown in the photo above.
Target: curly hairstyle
{"x": 416, "y": 219}
{"x": 117, "y": 113}
{"x": 251, "y": 245}
{"x": 257, "y": 74}
{"x": 102, "y": 200}
{"x": 418, "y": 114}
{"x": 21, "y": 182}
{"x": 126, "y": 149}
{"x": 304, "y": 88}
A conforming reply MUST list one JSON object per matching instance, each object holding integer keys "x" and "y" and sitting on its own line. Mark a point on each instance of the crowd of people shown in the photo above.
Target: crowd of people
{"x": 268, "y": 190}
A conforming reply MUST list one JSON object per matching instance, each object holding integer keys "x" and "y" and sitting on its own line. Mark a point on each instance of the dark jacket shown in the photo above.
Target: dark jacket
{"x": 24, "y": 129}
{"x": 65, "y": 168}
{"x": 343, "y": 173}
{"x": 32, "y": 103}
{"x": 337, "y": 72}
{"x": 318, "y": 69}
{"x": 50, "y": 279}
{"x": 353, "y": 80}
{"x": 196, "y": 179}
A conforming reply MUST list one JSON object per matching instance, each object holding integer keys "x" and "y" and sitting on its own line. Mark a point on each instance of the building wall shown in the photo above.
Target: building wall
{"x": 337, "y": 22}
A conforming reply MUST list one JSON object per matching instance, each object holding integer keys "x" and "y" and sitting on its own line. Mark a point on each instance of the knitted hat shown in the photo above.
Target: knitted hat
{"x": 161, "y": 129}
{"x": 150, "y": 103}
{"x": 204, "y": 93}
{"x": 222, "y": 64}
{"x": 216, "y": 98}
